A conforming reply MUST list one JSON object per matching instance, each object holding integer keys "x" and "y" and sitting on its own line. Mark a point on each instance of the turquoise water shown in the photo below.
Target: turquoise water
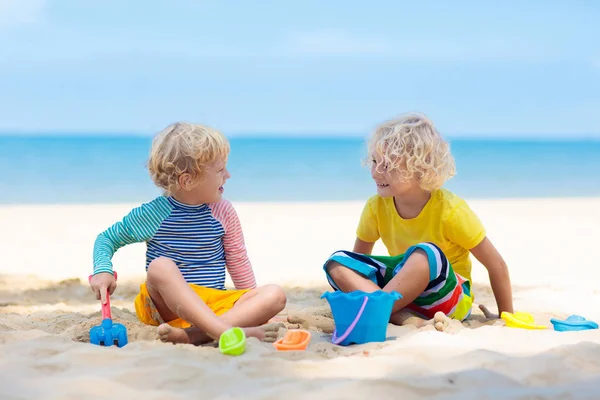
{"x": 61, "y": 169}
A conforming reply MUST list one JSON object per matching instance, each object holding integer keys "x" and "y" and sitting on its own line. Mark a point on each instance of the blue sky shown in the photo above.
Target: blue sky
{"x": 305, "y": 67}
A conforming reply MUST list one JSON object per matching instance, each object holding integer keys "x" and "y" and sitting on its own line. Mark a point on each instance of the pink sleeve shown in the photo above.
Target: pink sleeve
{"x": 236, "y": 258}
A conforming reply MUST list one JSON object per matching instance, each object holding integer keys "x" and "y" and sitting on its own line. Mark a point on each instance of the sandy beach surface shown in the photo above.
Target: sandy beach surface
{"x": 47, "y": 309}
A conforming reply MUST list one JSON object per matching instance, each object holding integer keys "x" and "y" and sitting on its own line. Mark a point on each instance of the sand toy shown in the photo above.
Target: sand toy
{"x": 233, "y": 342}
{"x": 294, "y": 339}
{"x": 573, "y": 323}
{"x": 108, "y": 333}
{"x": 360, "y": 317}
{"x": 521, "y": 320}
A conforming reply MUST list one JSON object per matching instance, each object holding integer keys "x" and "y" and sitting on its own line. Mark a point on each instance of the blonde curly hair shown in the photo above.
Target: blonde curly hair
{"x": 184, "y": 148}
{"x": 412, "y": 145}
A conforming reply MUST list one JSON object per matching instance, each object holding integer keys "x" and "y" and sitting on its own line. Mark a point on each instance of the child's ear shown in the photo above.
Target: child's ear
{"x": 185, "y": 181}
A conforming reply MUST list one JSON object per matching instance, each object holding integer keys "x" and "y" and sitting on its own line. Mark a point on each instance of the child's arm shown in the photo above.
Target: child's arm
{"x": 362, "y": 247}
{"x": 491, "y": 259}
{"x": 137, "y": 226}
{"x": 236, "y": 257}
{"x": 464, "y": 228}
{"x": 367, "y": 231}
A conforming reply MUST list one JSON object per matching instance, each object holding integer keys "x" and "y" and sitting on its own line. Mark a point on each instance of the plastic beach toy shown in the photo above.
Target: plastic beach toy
{"x": 360, "y": 317}
{"x": 294, "y": 339}
{"x": 108, "y": 333}
{"x": 521, "y": 320}
{"x": 573, "y": 323}
{"x": 233, "y": 342}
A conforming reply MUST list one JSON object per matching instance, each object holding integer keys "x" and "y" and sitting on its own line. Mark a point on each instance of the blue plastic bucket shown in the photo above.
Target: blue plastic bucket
{"x": 360, "y": 317}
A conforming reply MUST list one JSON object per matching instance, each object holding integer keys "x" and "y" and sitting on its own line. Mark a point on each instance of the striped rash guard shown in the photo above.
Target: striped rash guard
{"x": 203, "y": 240}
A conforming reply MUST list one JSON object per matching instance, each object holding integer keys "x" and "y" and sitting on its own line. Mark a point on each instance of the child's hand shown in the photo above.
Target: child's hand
{"x": 487, "y": 313}
{"x": 102, "y": 282}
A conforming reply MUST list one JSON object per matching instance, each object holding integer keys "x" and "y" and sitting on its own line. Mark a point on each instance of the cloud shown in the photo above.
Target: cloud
{"x": 335, "y": 43}
{"x": 20, "y": 12}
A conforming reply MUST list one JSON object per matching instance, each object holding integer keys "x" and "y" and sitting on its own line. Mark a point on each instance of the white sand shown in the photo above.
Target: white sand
{"x": 550, "y": 245}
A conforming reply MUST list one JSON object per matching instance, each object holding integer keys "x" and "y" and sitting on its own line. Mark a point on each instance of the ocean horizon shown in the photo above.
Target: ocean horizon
{"x": 68, "y": 169}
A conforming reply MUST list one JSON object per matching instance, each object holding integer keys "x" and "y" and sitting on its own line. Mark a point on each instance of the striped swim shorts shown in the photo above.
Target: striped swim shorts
{"x": 447, "y": 291}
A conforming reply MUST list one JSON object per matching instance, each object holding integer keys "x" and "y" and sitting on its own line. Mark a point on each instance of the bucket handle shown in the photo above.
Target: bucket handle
{"x": 338, "y": 340}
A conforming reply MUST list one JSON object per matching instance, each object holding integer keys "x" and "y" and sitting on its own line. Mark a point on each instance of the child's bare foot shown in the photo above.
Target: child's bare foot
{"x": 169, "y": 334}
{"x": 440, "y": 322}
{"x": 265, "y": 333}
{"x": 307, "y": 321}
{"x": 403, "y": 318}
{"x": 192, "y": 335}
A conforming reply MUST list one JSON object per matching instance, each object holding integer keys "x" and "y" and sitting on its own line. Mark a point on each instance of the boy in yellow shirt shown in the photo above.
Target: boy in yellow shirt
{"x": 428, "y": 231}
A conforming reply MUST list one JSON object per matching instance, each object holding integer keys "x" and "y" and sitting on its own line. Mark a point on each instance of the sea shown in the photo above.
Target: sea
{"x": 69, "y": 169}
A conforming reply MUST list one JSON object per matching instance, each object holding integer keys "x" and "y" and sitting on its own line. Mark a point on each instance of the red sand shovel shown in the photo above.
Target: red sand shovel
{"x": 108, "y": 333}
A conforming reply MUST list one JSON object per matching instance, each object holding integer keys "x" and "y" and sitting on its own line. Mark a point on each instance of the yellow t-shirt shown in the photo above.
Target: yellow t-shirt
{"x": 446, "y": 220}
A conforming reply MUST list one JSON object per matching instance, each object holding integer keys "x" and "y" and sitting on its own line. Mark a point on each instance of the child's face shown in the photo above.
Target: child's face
{"x": 209, "y": 187}
{"x": 389, "y": 183}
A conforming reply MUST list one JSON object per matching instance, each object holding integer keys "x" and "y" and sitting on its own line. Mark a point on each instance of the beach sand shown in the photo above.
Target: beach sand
{"x": 47, "y": 309}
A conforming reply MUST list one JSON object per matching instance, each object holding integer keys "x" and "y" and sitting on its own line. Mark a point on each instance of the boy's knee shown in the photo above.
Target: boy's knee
{"x": 419, "y": 255}
{"x": 334, "y": 268}
{"x": 418, "y": 259}
{"x": 158, "y": 269}
{"x": 276, "y": 296}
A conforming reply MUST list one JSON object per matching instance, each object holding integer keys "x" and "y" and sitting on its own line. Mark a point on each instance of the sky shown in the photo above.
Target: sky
{"x": 310, "y": 67}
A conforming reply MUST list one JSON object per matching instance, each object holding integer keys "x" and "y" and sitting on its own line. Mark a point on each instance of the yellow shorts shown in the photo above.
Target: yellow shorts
{"x": 220, "y": 301}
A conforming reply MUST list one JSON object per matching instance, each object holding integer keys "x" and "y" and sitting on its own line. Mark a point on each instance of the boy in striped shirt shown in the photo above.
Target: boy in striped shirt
{"x": 428, "y": 231}
{"x": 193, "y": 237}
